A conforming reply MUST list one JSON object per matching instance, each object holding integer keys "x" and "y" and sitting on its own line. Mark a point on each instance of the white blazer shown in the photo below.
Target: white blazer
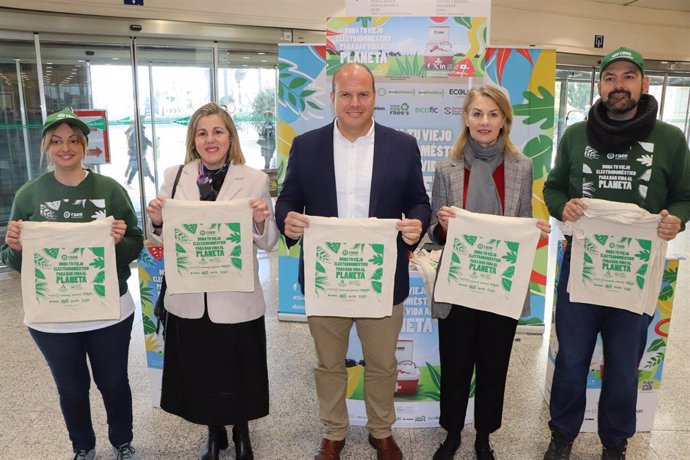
{"x": 223, "y": 307}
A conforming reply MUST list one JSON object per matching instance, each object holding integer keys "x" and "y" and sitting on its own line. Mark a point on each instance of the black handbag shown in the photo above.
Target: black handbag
{"x": 159, "y": 310}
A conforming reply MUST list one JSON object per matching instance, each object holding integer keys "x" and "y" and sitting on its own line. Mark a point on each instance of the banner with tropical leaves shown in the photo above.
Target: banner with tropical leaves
{"x": 151, "y": 269}
{"x": 650, "y": 370}
{"x": 421, "y": 47}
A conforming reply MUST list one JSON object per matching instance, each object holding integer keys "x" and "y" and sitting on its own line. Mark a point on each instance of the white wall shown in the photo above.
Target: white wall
{"x": 567, "y": 25}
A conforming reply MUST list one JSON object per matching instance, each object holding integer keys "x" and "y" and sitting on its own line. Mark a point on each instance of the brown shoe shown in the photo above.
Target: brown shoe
{"x": 386, "y": 448}
{"x": 329, "y": 449}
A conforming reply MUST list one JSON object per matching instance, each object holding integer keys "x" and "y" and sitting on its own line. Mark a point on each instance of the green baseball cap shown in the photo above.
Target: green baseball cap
{"x": 622, "y": 54}
{"x": 65, "y": 116}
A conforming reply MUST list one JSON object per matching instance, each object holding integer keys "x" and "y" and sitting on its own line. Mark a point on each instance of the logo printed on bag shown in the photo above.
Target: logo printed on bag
{"x": 80, "y": 271}
{"x": 616, "y": 265}
{"x": 473, "y": 258}
{"x": 348, "y": 271}
{"x": 208, "y": 249}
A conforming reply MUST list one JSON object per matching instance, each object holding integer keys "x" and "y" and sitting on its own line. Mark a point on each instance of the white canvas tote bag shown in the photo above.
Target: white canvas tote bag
{"x": 617, "y": 258}
{"x": 487, "y": 262}
{"x": 349, "y": 267}
{"x": 69, "y": 272}
{"x": 208, "y": 246}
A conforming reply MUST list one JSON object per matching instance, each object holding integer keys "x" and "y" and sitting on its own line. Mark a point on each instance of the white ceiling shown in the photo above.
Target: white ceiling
{"x": 673, "y": 5}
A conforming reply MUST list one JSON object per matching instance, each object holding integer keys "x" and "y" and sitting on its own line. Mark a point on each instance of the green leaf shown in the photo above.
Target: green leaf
{"x": 234, "y": 237}
{"x": 306, "y": 93}
{"x": 657, "y": 344}
{"x": 601, "y": 238}
{"x": 640, "y": 281}
{"x": 378, "y": 274}
{"x": 39, "y": 274}
{"x": 507, "y": 284}
{"x": 100, "y": 277}
{"x": 645, "y": 244}
{"x": 537, "y": 108}
{"x": 455, "y": 258}
{"x": 297, "y": 82}
{"x": 666, "y": 292}
{"x": 434, "y": 374}
{"x": 588, "y": 258}
{"x": 52, "y": 252}
{"x": 509, "y": 272}
{"x": 236, "y": 251}
{"x": 99, "y": 289}
{"x": 470, "y": 239}
{"x": 335, "y": 247}
{"x": 236, "y": 262}
{"x": 643, "y": 255}
{"x": 179, "y": 248}
{"x": 510, "y": 257}
{"x": 191, "y": 228}
{"x": 539, "y": 149}
{"x": 98, "y": 263}
{"x": 319, "y": 268}
{"x": 376, "y": 286}
{"x": 670, "y": 275}
{"x": 98, "y": 252}
{"x": 377, "y": 259}
{"x": 463, "y": 21}
{"x": 430, "y": 395}
{"x": 513, "y": 246}
{"x": 642, "y": 270}
{"x": 313, "y": 105}
{"x": 378, "y": 248}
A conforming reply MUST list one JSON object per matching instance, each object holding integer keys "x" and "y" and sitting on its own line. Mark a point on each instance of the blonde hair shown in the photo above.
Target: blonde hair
{"x": 234, "y": 152}
{"x": 495, "y": 94}
{"x": 47, "y": 162}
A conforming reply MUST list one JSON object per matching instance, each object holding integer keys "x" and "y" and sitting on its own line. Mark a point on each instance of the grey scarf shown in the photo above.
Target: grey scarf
{"x": 482, "y": 195}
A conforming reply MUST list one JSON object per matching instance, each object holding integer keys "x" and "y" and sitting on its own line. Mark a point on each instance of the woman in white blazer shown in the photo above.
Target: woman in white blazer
{"x": 215, "y": 370}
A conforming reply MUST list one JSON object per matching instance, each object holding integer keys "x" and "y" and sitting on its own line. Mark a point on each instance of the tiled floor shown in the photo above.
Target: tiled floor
{"x": 31, "y": 425}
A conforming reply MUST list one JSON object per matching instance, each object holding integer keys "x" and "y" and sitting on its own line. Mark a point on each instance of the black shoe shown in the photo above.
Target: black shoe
{"x": 217, "y": 441}
{"x": 447, "y": 449}
{"x": 614, "y": 453}
{"x": 559, "y": 447}
{"x": 484, "y": 452}
{"x": 243, "y": 445}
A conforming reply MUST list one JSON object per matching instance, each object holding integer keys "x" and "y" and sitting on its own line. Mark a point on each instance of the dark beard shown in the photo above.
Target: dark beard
{"x": 611, "y": 106}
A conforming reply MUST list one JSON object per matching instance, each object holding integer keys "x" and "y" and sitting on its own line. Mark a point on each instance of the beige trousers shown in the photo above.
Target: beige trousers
{"x": 379, "y": 338}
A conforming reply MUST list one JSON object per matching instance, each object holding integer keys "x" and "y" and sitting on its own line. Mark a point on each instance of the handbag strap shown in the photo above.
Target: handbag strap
{"x": 177, "y": 179}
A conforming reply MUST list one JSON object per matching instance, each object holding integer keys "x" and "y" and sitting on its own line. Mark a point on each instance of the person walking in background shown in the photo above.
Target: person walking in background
{"x": 215, "y": 370}
{"x": 485, "y": 173}
{"x": 356, "y": 168}
{"x": 267, "y": 139}
{"x": 70, "y": 193}
{"x": 133, "y": 165}
{"x": 621, "y": 133}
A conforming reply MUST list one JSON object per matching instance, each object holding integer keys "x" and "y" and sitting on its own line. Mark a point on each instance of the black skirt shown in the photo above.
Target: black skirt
{"x": 215, "y": 374}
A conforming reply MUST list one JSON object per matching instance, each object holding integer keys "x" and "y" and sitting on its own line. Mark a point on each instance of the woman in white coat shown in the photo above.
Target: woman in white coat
{"x": 215, "y": 370}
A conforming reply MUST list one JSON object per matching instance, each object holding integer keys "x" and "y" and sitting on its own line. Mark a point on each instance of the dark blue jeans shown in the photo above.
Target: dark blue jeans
{"x": 107, "y": 350}
{"x": 624, "y": 336}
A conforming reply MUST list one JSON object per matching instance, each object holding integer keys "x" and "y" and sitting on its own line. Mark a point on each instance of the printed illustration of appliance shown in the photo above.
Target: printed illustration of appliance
{"x": 408, "y": 374}
{"x": 438, "y": 52}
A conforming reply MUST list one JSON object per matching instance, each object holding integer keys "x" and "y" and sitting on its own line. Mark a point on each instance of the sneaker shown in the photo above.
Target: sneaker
{"x": 559, "y": 448}
{"x": 614, "y": 453}
{"x": 84, "y": 455}
{"x": 126, "y": 452}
